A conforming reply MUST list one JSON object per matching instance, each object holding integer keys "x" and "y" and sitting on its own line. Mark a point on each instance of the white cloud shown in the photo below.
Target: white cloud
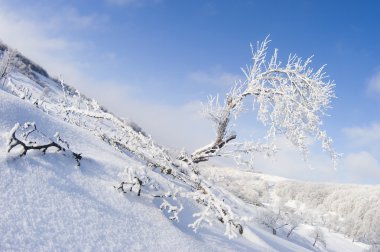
{"x": 364, "y": 135}
{"x": 354, "y": 167}
{"x": 361, "y": 166}
{"x": 173, "y": 126}
{"x": 70, "y": 17}
{"x": 367, "y": 137}
{"x": 374, "y": 82}
{"x": 289, "y": 163}
{"x": 214, "y": 77}
{"x": 40, "y": 40}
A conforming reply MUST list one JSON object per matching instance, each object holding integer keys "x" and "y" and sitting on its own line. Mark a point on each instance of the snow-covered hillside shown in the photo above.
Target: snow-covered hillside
{"x": 51, "y": 201}
{"x": 48, "y": 203}
{"x": 352, "y": 210}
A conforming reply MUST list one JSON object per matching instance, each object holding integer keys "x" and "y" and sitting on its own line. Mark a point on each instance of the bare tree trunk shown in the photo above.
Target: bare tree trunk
{"x": 315, "y": 241}
{"x": 290, "y": 232}
{"x": 221, "y": 139}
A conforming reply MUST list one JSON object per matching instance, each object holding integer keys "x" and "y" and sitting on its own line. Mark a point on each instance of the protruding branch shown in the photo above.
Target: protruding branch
{"x": 26, "y": 145}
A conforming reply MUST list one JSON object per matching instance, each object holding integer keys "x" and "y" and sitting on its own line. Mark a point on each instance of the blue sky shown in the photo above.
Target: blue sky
{"x": 154, "y": 61}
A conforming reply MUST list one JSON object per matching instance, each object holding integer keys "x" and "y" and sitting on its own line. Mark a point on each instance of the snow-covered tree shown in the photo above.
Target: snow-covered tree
{"x": 289, "y": 98}
{"x": 272, "y": 220}
{"x": 318, "y": 237}
{"x": 6, "y": 63}
{"x": 293, "y": 220}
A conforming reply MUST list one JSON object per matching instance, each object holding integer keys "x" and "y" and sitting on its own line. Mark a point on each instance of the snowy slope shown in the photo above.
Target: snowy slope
{"x": 48, "y": 203}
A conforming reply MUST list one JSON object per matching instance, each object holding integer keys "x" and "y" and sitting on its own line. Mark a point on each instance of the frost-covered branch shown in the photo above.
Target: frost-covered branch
{"x": 171, "y": 209}
{"x": 135, "y": 185}
{"x": 289, "y": 99}
{"x": 180, "y": 187}
{"x": 26, "y": 142}
{"x": 216, "y": 207}
{"x": 133, "y": 182}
